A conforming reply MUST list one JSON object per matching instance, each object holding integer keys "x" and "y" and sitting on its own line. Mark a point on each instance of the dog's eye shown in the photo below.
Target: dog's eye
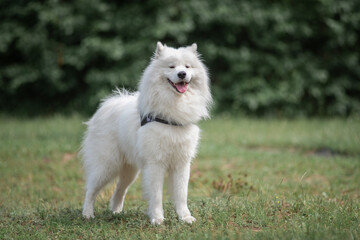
{"x": 187, "y": 66}
{"x": 171, "y": 66}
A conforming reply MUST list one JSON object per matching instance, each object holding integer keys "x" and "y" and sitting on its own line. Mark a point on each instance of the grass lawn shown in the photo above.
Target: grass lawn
{"x": 252, "y": 179}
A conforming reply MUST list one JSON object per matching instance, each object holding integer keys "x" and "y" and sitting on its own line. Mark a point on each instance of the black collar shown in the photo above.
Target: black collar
{"x": 149, "y": 118}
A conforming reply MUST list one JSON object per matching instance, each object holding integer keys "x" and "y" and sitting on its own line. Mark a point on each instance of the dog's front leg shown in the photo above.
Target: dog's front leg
{"x": 153, "y": 179}
{"x": 178, "y": 187}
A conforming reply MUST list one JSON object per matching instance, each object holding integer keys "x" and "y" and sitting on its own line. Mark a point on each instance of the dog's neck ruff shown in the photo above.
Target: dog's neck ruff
{"x": 149, "y": 118}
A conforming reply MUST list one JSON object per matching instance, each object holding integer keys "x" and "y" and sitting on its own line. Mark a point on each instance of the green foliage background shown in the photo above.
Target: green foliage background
{"x": 265, "y": 57}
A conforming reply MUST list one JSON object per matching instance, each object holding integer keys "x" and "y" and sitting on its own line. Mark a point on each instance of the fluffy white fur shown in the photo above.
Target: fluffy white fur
{"x": 116, "y": 147}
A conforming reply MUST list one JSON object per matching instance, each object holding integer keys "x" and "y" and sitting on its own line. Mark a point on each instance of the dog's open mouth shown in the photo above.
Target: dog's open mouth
{"x": 180, "y": 87}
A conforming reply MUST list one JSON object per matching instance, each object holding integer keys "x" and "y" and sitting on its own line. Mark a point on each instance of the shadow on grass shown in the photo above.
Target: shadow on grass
{"x": 132, "y": 218}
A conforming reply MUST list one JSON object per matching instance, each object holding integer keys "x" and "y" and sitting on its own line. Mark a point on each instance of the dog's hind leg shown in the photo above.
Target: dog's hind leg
{"x": 128, "y": 175}
{"x": 94, "y": 183}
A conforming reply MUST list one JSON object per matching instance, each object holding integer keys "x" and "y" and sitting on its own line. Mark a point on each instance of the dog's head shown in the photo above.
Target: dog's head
{"x": 177, "y": 65}
{"x": 175, "y": 84}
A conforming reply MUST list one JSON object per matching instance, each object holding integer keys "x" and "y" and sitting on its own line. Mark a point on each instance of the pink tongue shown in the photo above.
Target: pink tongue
{"x": 181, "y": 87}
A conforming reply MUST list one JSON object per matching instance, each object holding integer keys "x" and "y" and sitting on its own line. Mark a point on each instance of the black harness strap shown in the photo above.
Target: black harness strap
{"x": 149, "y": 118}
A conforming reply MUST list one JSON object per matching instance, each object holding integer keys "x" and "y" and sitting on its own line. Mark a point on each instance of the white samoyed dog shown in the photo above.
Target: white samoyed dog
{"x": 153, "y": 130}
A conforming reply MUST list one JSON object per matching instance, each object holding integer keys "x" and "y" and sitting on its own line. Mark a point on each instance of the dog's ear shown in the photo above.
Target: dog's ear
{"x": 193, "y": 48}
{"x": 159, "y": 48}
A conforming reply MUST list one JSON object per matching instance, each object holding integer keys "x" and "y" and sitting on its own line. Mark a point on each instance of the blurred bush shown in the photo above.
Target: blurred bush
{"x": 283, "y": 58}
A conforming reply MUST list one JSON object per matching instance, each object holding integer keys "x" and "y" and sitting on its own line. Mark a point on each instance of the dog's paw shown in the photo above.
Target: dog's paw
{"x": 116, "y": 207}
{"x": 188, "y": 219}
{"x": 88, "y": 215}
{"x": 157, "y": 221}
{"x": 118, "y": 211}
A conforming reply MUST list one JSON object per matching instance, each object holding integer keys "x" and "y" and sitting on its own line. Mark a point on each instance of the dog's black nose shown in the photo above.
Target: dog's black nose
{"x": 182, "y": 74}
